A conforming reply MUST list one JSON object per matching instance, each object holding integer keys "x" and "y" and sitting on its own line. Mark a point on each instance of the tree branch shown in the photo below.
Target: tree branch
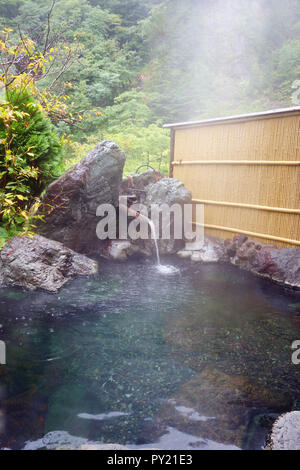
{"x": 49, "y": 26}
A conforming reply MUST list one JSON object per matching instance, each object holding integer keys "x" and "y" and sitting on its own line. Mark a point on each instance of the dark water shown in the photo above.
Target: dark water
{"x": 198, "y": 359}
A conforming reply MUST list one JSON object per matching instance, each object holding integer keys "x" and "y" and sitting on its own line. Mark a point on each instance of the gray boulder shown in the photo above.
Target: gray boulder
{"x": 138, "y": 184}
{"x": 218, "y": 406}
{"x": 37, "y": 262}
{"x": 168, "y": 191}
{"x": 283, "y": 265}
{"x": 285, "y": 433}
{"x": 70, "y": 204}
{"x": 150, "y": 188}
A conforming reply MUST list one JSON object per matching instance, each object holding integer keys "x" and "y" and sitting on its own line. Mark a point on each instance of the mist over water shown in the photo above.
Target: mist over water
{"x": 225, "y": 57}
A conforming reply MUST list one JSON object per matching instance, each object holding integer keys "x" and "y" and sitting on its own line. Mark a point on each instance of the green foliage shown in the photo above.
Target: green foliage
{"x": 104, "y": 68}
{"x": 10, "y": 8}
{"x": 131, "y": 108}
{"x": 143, "y": 145}
{"x": 190, "y": 59}
{"x": 34, "y": 141}
{"x": 131, "y": 11}
{"x": 6, "y": 234}
{"x": 209, "y": 60}
{"x": 286, "y": 63}
{"x": 145, "y": 62}
{"x": 130, "y": 123}
{"x": 30, "y": 157}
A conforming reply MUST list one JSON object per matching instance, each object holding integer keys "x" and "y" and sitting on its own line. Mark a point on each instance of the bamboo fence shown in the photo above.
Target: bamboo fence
{"x": 246, "y": 171}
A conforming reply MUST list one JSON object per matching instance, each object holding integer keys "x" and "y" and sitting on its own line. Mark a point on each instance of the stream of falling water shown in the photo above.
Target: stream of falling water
{"x": 153, "y": 232}
{"x": 162, "y": 268}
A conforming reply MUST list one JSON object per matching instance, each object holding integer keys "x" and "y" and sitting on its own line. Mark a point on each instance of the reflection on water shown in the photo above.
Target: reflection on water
{"x": 199, "y": 359}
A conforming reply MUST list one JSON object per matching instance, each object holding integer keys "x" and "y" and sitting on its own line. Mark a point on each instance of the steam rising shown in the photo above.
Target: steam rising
{"x": 225, "y": 56}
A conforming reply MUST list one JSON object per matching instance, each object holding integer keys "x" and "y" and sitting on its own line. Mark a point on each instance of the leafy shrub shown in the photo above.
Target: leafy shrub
{"x": 30, "y": 156}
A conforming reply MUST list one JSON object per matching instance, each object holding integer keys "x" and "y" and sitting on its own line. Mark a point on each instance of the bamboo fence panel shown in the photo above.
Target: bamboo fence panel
{"x": 247, "y": 173}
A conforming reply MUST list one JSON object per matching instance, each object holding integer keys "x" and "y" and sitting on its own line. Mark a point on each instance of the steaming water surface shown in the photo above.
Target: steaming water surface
{"x": 200, "y": 359}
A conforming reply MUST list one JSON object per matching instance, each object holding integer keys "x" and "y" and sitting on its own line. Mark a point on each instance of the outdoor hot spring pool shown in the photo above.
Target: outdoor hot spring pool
{"x": 200, "y": 359}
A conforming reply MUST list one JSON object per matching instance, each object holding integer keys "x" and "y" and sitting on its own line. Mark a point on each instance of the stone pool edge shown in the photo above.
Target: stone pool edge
{"x": 280, "y": 265}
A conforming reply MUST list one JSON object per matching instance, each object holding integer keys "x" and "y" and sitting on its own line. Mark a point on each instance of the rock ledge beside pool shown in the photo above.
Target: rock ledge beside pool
{"x": 39, "y": 263}
{"x": 286, "y": 432}
{"x": 281, "y": 265}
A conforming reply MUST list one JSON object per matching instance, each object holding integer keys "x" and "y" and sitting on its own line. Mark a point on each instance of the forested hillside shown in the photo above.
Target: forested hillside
{"x": 144, "y": 62}
{"x": 124, "y": 67}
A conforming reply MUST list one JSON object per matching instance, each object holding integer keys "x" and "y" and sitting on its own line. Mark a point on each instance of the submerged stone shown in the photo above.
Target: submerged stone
{"x": 218, "y": 406}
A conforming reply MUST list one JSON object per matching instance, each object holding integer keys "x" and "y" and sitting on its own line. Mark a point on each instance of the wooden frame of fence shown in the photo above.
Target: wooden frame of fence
{"x": 246, "y": 171}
